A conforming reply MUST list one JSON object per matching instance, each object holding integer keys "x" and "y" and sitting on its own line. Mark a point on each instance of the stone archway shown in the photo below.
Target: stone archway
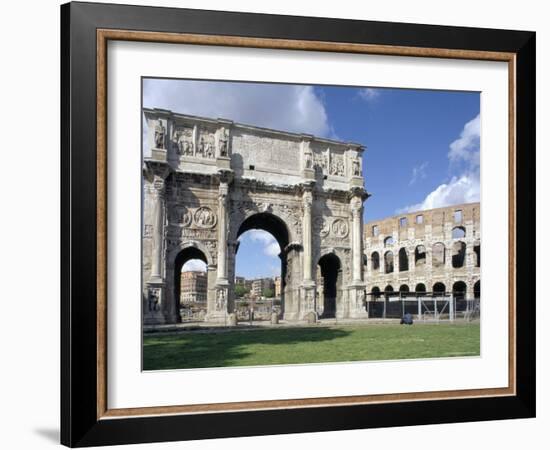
{"x": 330, "y": 269}
{"x": 175, "y": 260}
{"x": 185, "y": 255}
{"x": 269, "y": 222}
{"x": 212, "y": 179}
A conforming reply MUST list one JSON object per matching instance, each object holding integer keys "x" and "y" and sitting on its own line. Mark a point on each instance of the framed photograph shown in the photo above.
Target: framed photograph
{"x": 274, "y": 224}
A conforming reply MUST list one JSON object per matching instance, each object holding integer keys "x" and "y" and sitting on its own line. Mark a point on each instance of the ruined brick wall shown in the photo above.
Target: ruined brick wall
{"x": 420, "y": 249}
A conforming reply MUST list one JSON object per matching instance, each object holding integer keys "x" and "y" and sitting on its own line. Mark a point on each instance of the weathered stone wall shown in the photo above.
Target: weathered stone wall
{"x": 444, "y": 234}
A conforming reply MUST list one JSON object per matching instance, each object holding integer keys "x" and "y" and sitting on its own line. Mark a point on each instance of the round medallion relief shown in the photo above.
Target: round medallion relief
{"x": 320, "y": 226}
{"x": 340, "y": 228}
{"x": 205, "y": 217}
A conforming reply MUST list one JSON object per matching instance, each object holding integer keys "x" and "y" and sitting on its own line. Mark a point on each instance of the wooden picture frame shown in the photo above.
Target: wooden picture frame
{"x": 85, "y": 416}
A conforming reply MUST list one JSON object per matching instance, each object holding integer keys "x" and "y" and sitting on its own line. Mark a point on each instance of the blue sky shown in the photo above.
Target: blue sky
{"x": 422, "y": 146}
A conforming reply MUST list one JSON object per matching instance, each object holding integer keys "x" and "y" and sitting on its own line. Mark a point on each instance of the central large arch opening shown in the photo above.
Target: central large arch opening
{"x": 260, "y": 267}
{"x": 330, "y": 281}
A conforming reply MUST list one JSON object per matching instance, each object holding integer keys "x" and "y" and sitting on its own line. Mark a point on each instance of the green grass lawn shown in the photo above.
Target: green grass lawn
{"x": 261, "y": 347}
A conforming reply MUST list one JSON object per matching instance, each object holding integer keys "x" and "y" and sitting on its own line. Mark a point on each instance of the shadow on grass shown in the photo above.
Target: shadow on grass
{"x": 219, "y": 349}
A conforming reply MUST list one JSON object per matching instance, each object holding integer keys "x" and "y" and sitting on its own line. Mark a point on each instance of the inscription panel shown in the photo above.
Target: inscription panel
{"x": 267, "y": 152}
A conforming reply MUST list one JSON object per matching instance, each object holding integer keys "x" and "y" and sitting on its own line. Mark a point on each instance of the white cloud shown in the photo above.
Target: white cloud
{"x": 418, "y": 173}
{"x": 369, "y": 94}
{"x": 272, "y": 249}
{"x": 463, "y": 188}
{"x": 466, "y": 147}
{"x": 285, "y": 107}
{"x": 271, "y": 246}
{"x": 194, "y": 265}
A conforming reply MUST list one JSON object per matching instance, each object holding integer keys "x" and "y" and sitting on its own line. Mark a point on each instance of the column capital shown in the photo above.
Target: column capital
{"x": 356, "y": 206}
{"x": 223, "y": 192}
{"x": 307, "y": 199}
{"x": 153, "y": 169}
{"x": 225, "y": 176}
{"x": 307, "y": 186}
{"x": 358, "y": 192}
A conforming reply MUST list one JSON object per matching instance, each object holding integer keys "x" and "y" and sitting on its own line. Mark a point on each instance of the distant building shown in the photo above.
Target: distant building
{"x": 193, "y": 287}
{"x": 242, "y": 281}
{"x": 259, "y": 284}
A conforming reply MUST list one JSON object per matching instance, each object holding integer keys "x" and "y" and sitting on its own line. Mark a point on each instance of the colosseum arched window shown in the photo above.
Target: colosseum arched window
{"x": 438, "y": 289}
{"x": 420, "y": 288}
{"x": 403, "y": 290}
{"x": 459, "y": 233}
{"x": 438, "y": 255}
{"x": 388, "y": 261}
{"x": 459, "y": 290}
{"x": 375, "y": 261}
{"x": 375, "y": 293}
{"x": 403, "y": 260}
{"x": 388, "y": 241}
{"x": 420, "y": 256}
{"x": 459, "y": 254}
{"x": 388, "y": 290}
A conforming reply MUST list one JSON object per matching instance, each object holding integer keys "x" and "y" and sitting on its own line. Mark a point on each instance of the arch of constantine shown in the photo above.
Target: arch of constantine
{"x": 207, "y": 181}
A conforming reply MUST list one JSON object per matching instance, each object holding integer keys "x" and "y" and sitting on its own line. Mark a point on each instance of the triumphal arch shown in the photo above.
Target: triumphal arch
{"x": 207, "y": 181}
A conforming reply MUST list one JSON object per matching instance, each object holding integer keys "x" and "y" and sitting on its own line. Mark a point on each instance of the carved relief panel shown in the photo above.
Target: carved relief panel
{"x": 184, "y": 141}
{"x": 204, "y": 217}
{"x": 205, "y": 144}
{"x": 339, "y": 228}
{"x": 337, "y": 165}
{"x": 321, "y": 226}
{"x": 329, "y": 161}
{"x": 320, "y": 161}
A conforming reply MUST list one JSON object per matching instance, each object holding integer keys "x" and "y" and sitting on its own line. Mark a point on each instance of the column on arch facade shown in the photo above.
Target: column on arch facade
{"x": 356, "y": 205}
{"x": 221, "y": 302}
{"x": 156, "y": 307}
{"x": 357, "y": 288}
{"x": 307, "y": 200}
{"x": 158, "y": 197}
{"x": 222, "y": 232}
{"x": 308, "y": 288}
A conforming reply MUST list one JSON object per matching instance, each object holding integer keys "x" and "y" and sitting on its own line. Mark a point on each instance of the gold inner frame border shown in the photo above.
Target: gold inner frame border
{"x": 105, "y": 35}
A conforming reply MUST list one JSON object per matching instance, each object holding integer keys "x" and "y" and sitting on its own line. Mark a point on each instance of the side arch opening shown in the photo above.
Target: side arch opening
{"x": 331, "y": 278}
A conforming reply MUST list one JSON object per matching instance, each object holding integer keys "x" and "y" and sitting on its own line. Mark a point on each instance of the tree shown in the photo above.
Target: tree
{"x": 241, "y": 290}
{"x": 268, "y": 293}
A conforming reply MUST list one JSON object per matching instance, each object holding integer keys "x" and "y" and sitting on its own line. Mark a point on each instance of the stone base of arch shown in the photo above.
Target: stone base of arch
{"x": 153, "y": 300}
{"x": 219, "y": 305}
{"x": 308, "y": 300}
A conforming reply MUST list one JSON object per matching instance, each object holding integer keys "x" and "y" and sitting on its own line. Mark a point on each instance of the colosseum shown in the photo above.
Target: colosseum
{"x": 434, "y": 252}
